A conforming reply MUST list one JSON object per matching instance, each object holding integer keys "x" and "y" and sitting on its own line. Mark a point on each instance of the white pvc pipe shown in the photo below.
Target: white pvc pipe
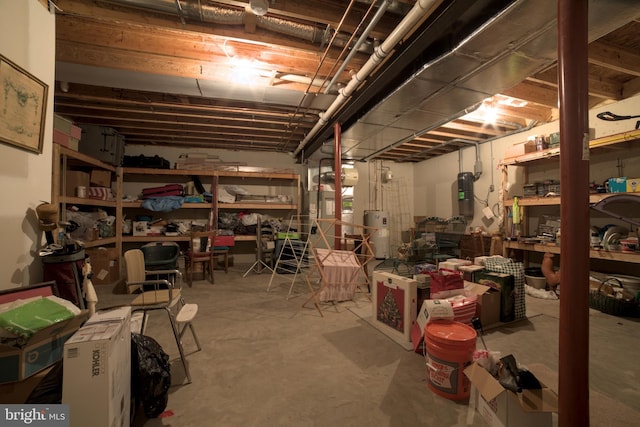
{"x": 414, "y": 15}
{"x": 363, "y": 37}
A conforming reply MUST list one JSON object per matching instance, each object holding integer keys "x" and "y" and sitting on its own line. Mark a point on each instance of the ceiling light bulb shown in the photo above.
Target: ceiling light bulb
{"x": 259, "y": 7}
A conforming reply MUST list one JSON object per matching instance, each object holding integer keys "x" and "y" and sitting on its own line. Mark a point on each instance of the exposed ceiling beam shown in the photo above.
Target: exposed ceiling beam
{"x": 601, "y": 87}
{"x": 614, "y": 57}
{"x": 631, "y": 88}
{"x": 534, "y": 93}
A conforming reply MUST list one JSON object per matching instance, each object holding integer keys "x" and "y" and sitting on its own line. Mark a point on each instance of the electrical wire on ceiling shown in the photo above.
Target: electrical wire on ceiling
{"x": 321, "y": 62}
{"x": 384, "y": 4}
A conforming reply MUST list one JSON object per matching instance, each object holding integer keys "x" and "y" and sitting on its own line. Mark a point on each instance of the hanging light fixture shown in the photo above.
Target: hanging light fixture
{"x": 259, "y": 7}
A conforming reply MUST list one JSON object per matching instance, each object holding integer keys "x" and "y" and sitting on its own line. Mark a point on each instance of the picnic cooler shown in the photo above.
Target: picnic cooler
{"x": 163, "y": 191}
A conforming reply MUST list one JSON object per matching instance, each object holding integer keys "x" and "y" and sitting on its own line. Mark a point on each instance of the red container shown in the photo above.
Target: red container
{"x": 450, "y": 346}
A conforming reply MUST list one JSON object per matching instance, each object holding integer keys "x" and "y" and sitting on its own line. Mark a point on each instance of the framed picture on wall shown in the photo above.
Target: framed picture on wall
{"x": 23, "y": 102}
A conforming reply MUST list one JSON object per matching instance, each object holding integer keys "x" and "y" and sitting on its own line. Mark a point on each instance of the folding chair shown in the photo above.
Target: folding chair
{"x": 160, "y": 294}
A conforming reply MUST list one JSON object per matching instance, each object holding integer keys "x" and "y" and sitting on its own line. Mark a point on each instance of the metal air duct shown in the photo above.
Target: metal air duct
{"x": 198, "y": 11}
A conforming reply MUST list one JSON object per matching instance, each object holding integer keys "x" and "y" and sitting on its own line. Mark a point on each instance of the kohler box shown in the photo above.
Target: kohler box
{"x": 102, "y": 143}
{"x": 96, "y": 382}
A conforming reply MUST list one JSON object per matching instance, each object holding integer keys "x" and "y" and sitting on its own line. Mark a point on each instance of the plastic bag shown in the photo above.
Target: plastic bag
{"x": 49, "y": 390}
{"x": 150, "y": 374}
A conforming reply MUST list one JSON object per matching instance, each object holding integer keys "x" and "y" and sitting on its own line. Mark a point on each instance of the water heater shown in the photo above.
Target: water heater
{"x": 465, "y": 194}
{"x": 379, "y": 239}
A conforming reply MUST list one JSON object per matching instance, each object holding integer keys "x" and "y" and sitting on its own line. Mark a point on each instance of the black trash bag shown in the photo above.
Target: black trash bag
{"x": 150, "y": 374}
{"x": 49, "y": 390}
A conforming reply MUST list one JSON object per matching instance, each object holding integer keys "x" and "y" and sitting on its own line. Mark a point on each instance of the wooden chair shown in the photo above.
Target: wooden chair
{"x": 224, "y": 251}
{"x": 201, "y": 251}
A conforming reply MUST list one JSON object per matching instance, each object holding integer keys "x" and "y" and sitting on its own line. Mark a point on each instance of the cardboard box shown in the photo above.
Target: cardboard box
{"x": 19, "y": 391}
{"x": 516, "y": 150}
{"x": 74, "y": 179}
{"x": 618, "y": 185}
{"x": 505, "y": 284}
{"x": 65, "y": 132}
{"x": 66, "y": 127}
{"x": 96, "y": 382}
{"x": 100, "y": 178}
{"x": 633, "y": 185}
{"x": 454, "y": 263}
{"x": 501, "y": 407}
{"x": 140, "y": 228}
{"x": 42, "y": 350}
{"x": 488, "y": 305}
{"x": 105, "y": 264}
{"x": 469, "y": 271}
{"x": 487, "y": 310}
{"x": 394, "y": 306}
{"x": 530, "y": 147}
{"x": 65, "y": 140}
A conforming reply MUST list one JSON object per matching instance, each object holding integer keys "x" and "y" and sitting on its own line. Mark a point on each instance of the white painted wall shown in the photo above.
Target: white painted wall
{"x": 435, "y": 180}
{"x": 28, "y": 39}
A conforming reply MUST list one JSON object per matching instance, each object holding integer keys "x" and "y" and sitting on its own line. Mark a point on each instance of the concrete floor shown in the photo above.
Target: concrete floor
{"x": 266, "y": 361}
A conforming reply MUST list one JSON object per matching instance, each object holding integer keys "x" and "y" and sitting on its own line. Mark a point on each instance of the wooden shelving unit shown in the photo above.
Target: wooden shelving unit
{"x": 613, "y": 141}
{"x": 236, "y": 177}
{"x": 66, "y": 159}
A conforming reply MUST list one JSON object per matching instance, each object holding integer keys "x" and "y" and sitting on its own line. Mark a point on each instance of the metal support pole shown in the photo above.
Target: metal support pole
{"x": 574, "y": 246}
{"x": 337, "y": 167}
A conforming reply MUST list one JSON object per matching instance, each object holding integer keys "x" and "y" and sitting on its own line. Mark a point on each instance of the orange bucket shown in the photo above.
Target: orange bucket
{"x": 450, "y": 346}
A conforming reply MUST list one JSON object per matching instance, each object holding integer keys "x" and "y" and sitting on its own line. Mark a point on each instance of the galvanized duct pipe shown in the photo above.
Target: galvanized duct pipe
{"x": 381, "y": 52}
{"x": 293, "y": 29}
{"x": 223, "y": 16}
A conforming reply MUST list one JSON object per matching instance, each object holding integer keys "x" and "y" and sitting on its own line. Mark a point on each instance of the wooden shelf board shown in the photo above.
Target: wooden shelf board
{"x": 138, "y": 204}
{"x": 87, "y": 201}
{"x": 100, "y": 242}
{"x": 549, "y": 201}
{"x": 632, "y": 257}
{"x": 180, "y": 238}
{"x": 258, "y": 206}
{"x": 602, "y": 142}
{"x": 73, "y": 154}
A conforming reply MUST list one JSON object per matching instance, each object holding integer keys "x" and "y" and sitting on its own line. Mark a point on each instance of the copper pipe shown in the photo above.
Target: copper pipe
{"x": 337, "y": 167}
{"x": 573, "y": 388}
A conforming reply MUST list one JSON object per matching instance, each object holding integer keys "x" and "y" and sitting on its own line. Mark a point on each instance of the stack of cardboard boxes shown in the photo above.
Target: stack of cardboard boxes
{"x": 397, "y": 315}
